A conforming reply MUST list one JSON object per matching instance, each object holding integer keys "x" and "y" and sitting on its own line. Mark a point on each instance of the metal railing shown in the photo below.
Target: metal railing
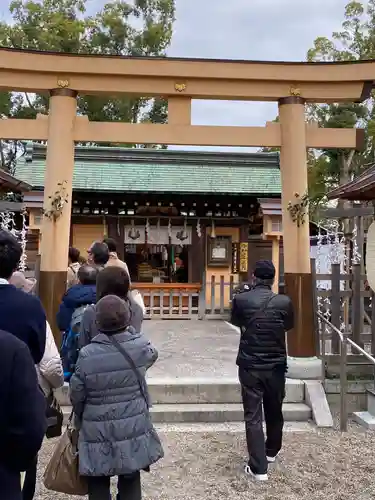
{"x": 344, "y": 342}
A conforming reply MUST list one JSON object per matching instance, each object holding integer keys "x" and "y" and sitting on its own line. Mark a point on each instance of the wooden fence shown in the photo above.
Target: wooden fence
{"x": 346, "y": 304}
{"x": 213, "y": 301}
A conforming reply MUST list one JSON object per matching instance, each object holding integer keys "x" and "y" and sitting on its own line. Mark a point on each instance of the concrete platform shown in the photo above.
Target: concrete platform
{"x": 365, "y": 419}
{"x": 195, "y": 379}
{"x": 200, "y": 390}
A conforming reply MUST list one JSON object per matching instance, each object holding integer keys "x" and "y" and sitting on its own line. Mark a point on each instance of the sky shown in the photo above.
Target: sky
{"x": 269, "y": 30}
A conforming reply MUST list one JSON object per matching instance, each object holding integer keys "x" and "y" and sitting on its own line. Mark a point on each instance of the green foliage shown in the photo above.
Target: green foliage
{"x": 137, "y": 28}
{"x": 355, "y": 41}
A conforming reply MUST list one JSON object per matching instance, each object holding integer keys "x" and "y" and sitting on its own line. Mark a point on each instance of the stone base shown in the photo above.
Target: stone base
{"x": 365, "y": 419}
{"x": 305, "y": 368}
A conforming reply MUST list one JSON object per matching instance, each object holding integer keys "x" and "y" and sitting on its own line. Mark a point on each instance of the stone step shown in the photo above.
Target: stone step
{"x": 193, "y": 390}
{"x": 213, "y": 413}
{"x": 189, "y": 413}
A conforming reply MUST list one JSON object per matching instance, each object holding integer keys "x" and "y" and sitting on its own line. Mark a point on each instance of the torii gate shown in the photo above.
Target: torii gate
{"x": 292, "y": 85}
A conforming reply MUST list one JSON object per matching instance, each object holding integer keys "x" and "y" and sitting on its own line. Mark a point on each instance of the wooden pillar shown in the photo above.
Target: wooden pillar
{"x": 58, "y": 179}
{"x": 296, "y": 238}
{"x": 197, "y": 255}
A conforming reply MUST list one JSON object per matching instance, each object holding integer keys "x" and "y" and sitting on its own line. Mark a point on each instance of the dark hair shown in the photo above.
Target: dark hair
{"x": 74, "y": 254}
{"x": 87, "y": 274}
{"x": 111, "y": 244}
{"x": 112, "y": 281}
{"x": 10, "y": 254}
{"x": 100, "y": 253}
{"x": 267, "y": 282}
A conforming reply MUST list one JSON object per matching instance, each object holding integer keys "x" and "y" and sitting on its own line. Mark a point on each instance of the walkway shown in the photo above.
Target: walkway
{"x": 205, "y": 349}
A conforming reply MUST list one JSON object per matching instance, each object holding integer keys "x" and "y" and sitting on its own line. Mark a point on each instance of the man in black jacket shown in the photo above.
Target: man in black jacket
{"x": 22, "y": 414}
{"x": 263, "y": 318}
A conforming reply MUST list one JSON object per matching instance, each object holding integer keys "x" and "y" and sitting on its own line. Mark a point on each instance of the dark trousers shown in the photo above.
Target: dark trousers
{"x": 267, "y": 387}
{"x": 129, "y": 487}
{"x": 28, "y": 490}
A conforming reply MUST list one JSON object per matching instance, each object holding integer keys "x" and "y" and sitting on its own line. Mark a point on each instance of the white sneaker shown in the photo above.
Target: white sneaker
{"x": 257, "y": 477}
{"x": 271, "y": 460}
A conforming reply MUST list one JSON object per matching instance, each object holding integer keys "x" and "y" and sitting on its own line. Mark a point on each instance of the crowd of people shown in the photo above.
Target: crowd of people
{"x": 104, "y": 356}
{"x": 104, "y": 364}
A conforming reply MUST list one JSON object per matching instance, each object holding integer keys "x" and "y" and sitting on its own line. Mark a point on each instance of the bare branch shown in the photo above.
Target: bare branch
{"x": 29, "y": 102}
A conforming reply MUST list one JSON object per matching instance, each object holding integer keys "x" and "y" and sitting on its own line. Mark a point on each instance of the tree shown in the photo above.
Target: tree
{"x": 355, "y": 41}
{"x": 138, "y": 28}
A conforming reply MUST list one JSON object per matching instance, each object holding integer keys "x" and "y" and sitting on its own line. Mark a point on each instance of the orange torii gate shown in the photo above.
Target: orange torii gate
{"x": 292, "y": 85}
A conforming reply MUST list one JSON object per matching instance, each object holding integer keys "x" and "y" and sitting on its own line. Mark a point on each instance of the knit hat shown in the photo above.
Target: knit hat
{"x": 112, "y": 314}
{"x": 264, "y": 270}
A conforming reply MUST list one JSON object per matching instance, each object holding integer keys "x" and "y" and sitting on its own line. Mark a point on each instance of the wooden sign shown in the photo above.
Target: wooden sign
{"x": 244, "y": 257}
{"x": 219, "y": 250}
{"x": 235, "y": 257}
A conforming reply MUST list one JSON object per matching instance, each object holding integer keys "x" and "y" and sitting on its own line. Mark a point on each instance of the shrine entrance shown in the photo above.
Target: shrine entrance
{"x": 180, "y": 81}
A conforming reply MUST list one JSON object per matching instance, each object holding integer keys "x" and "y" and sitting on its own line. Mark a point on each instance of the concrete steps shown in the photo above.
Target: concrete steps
{"x": 219, "y": 413}
{"x": 214, "y": 401}
{"x": 193, "y": 390}
{"x": 212, "y": 413}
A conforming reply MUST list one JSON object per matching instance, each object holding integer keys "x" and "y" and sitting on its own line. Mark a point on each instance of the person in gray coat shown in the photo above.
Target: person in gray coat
{"x": 110, "y": 401}
{"x": 110, "y": 281}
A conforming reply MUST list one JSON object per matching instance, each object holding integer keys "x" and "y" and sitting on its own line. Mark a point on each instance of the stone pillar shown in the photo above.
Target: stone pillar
{"x": 296, "y": 239}
{"x": 58, "y": 178}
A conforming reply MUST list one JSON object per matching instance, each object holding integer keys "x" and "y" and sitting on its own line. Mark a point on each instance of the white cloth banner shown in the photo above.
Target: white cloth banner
{"x": 158, "y": 236}
{"x": 139, "y": 231}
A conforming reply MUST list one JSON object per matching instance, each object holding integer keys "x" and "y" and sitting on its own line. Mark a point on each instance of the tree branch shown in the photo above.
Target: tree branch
{"x": 29, "y": 102}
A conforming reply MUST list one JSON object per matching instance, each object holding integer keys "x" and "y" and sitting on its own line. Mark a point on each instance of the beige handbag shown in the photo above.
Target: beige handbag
{"x": 62, "y": 473}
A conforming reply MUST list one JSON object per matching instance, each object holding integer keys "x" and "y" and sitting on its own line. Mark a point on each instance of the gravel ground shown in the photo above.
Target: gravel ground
{"x": 207, "y": 466}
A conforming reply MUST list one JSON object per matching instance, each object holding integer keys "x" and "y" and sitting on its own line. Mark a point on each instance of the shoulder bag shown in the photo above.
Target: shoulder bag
{"x": 129, "y": 359}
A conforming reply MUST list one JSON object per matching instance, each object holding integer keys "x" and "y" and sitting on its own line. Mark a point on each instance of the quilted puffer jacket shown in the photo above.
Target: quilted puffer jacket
{"x": 262, "y": 343}
{"x": 50, "y": 370}
{"x": 116, "y": 433}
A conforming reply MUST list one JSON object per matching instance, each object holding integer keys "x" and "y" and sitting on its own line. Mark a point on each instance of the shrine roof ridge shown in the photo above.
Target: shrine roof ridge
{"x": 117, "y": 154}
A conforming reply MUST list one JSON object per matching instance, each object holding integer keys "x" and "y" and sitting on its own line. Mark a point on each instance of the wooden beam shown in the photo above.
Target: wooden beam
{"x": 205, "y": 79}
{"x": 11, "y": 206}
{"x": 179, "y": 111}
{"x": 346, "y": 213}
{"x": 182, "y": 135}
{"x": 176, "y": 133}
{"x": 24, "y": 129}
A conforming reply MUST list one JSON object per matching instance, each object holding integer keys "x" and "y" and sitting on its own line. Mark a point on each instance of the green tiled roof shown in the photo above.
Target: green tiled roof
{"x": 164, "y": 173}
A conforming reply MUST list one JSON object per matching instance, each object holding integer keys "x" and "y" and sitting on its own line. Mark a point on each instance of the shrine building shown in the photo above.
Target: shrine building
{"x": 181, "y": 219}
